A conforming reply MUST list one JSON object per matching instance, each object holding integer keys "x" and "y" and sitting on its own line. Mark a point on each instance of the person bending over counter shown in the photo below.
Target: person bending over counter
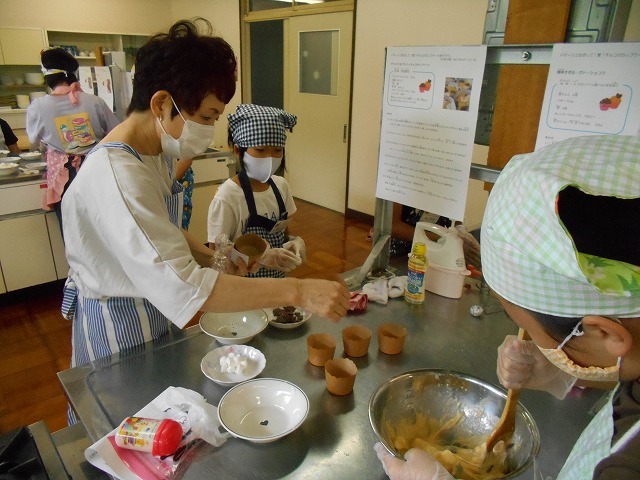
{"x": 559, "y": 248}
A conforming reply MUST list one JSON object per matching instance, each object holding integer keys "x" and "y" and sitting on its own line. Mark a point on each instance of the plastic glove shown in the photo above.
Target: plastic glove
{"x": 297, "y": 246}
{"x": 279, "y": 259}
{"x": 377, "y": 291}
{"x": 417, "y": 465}
{"x": 522, "y": 365}
{"x": 470, "y": 246}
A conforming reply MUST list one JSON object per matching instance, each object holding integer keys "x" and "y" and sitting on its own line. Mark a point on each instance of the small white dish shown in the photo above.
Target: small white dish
{"x": 263, "y": 410}
{"x": 4, "y": 153}
{"x": 39, "y": 166}
{"x": 11, "y": 159}
{"x": 234, "y": 328}
{"x": 287, "y": 325}
{"x": 210, "y": 364}
{"x": 31, "y": 156}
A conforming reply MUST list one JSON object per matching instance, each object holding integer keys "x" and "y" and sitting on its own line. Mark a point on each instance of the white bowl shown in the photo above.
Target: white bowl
{"x": 10, "y": 159}
{"x": 287, "y": 326}
{"x": 39, "y": 166}
{"x": 210, "y": 364}
{"x": 4, "y": 153}
{"x": 7, "y": 169}
{"x": 263, "y": 410}
{"x": 34, "y": 78}
{"x": 234, "y": 328}
{"x": 31, "y": 156}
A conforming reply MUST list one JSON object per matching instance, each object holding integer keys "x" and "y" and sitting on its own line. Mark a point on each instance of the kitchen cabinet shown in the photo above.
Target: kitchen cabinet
{"x": 21, "y": 46}
{"x": 57, "y": 245}
{"x": 26, "y": 256}
{"x": 31, "y": 246}
{"x": 86, "y": 45}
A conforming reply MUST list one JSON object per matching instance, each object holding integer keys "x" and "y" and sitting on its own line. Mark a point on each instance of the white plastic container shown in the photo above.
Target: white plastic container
{"x": 446, "y": 271}
{"x": 445, "y": 281}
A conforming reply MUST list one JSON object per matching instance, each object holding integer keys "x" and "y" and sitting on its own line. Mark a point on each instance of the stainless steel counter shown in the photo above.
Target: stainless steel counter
{"x": 336, "y": 440}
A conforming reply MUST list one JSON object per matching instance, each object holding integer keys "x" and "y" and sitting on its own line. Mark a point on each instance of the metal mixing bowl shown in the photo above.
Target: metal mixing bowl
{"x": 442, "y": 394}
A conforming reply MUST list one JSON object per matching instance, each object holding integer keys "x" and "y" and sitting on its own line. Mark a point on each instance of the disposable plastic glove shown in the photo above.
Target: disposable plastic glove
{"x": 470, "y": 246}
{"x": 417, "y": 465}
{"x": 522, "y": 365}
{"x": 297, "y": 246}
{"x": 279, "y": 259}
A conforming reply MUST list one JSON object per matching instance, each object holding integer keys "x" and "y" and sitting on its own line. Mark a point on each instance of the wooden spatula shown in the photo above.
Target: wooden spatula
{"x": 507, "y": 423}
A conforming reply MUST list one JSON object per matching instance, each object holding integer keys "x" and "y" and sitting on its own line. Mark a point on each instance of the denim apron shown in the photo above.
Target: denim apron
{"x": 595, "y": 444}
{"x": 105, "y": 326}
{"x": 271, "y": 231}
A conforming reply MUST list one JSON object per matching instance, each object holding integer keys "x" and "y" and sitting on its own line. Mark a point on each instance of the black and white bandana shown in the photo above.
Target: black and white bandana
{"x": 256, "y": 125}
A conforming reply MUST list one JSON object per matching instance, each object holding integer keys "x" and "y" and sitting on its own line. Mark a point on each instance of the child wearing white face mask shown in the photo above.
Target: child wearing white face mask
{"x": 256, "y": 200}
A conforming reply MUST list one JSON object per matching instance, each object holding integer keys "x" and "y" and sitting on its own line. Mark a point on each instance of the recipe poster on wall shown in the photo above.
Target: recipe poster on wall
{"x": 592, "y": 88}
{"x": 429, "y": 114}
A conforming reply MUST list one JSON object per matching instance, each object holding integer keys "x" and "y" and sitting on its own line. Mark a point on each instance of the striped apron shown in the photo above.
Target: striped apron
{"x": 105, "y": 326}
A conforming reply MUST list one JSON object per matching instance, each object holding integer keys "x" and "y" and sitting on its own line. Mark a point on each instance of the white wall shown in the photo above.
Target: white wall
{"x": 113, "y": 16}
{"x": 224, "y": 15}
{"x": 408, "y": 22}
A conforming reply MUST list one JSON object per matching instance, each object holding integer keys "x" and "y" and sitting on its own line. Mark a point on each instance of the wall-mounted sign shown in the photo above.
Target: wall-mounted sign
{"x": 592, "y": 88}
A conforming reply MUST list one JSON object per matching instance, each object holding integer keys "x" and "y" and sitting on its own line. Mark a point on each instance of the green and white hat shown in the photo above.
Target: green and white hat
{"x": 539, "y": 257}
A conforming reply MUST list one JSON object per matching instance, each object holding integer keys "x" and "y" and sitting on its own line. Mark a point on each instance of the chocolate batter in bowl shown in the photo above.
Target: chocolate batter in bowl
{"x": 451, "y": 415}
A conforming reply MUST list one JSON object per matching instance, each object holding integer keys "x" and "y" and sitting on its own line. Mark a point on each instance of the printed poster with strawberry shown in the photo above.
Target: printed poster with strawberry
{"x": 592, "y": 89}
{"x": 429, "y": 113}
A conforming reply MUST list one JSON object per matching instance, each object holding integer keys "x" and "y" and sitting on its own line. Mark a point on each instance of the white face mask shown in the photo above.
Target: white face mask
{"x": 559, "y": 358}
{"x": 193, "y": 141}
{"x": 260, "y": 169}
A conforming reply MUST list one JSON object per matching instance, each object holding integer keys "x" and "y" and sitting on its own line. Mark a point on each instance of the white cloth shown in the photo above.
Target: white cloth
{"x": 43, "y": 111}
{"x": 120, "y": 241}
{"x": 228, "y": 212}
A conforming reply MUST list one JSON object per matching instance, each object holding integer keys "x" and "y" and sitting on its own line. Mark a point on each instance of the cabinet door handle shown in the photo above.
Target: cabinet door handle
{"x": 344, "y": 133}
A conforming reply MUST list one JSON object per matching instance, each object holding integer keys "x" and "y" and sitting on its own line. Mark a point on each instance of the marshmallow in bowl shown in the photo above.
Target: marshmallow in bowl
{"x": 233, "y": 363}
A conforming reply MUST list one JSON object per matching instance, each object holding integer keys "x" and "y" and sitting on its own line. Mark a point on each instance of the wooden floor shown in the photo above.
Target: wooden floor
{"x": 36, "y": 340}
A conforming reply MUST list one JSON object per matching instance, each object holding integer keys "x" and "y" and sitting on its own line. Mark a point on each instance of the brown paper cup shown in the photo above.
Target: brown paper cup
{"x": 356, "y": 340}
{"x": 320, "y": 348}
{"x": 249, "y": 247}
{"x": 391, "y": 338}
{"x": 340, "y": 374}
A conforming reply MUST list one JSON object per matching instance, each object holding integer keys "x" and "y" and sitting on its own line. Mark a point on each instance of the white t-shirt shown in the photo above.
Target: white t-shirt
{"x": 54, "y": 120}
{"x": 228, "y": 212}
{"x": 119, "y": 239}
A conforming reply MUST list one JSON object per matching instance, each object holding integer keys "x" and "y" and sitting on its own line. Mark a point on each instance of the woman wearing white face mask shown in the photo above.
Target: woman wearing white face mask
{"x": 256, "y": 200}
{"x": 133, "y": 271}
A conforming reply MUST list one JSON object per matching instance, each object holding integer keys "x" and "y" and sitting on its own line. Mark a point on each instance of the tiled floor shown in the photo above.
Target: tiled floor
{"x": 36, "y": 341}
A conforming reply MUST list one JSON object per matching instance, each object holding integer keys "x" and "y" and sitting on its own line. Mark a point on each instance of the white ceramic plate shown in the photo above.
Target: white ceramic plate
{"x": 263, "y": 410}
{"x": 287, "y": 326}
{"x": 234, "y": 328}
{"x": 210, "y": 364}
